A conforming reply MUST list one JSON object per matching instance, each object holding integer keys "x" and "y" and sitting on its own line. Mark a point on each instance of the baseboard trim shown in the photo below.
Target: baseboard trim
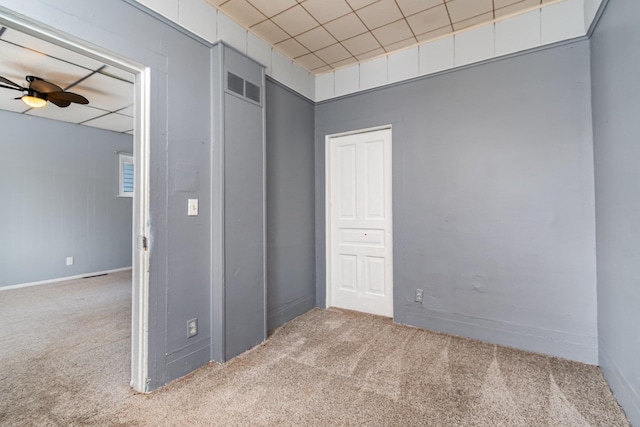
{"x": 554, "y": 343}
{"x": 289, "y": 311}
{"x": 61, "y": 279}
{"x": 627, "y": 397}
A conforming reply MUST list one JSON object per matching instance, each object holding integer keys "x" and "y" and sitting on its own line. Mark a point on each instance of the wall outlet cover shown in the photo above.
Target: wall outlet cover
{"x": 69, "y": 260}
{"x": 192, "y": 326}
{"x": 192, "y": 209}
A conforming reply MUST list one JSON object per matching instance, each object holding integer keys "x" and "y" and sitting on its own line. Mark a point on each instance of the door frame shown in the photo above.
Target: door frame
{"x": 141, "y": 152}
{"x": 327, "y": 201}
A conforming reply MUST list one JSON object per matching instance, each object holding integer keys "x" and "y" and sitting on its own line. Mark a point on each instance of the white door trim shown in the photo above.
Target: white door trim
{"x": 141, "y": 144}
{"x": 327, "y": 201}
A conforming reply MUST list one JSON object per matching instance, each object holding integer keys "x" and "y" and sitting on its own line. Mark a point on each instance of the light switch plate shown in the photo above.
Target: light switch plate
{"x": 192, "y": 209}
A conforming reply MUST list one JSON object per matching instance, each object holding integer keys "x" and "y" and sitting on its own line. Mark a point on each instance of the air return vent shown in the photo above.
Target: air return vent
{"x": 242, "y": 87}
{"x": 252, "y": 91}
{"x": 235, "y": 84}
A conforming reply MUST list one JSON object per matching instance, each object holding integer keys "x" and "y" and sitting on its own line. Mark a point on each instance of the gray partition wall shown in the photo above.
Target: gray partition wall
{"x": 493, "y": 206}
{"x": 615, "y": 67}
{"x": 179, "y": 251}
{"x": 291, "y": 289}
{"x": 59, "y": 184}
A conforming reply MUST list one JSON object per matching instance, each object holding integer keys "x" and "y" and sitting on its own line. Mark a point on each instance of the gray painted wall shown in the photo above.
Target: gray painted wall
{"x": 493, "y": 199}
{"x": 180, "y": 139}
{"x": 290, "y": 205}
{"x": 615, "y": 68}
{"x": 59, "y": 184}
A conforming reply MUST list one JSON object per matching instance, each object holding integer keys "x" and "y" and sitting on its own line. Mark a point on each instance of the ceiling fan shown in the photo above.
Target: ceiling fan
{"x": 40, "y": 91}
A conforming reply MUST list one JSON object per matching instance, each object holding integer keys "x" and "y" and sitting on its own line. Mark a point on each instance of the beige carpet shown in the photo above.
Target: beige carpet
{"x": 327, "y": 367}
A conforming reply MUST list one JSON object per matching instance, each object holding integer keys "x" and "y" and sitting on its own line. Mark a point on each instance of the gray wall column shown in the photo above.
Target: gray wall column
{"x": 615, "y": 68}
{"x": 290, "y": 205}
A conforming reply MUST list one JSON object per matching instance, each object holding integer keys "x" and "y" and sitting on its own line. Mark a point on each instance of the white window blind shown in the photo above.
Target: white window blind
{"x": 126, "y": 175}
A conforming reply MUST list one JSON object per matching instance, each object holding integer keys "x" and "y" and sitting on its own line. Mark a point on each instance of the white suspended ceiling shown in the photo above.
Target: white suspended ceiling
{"x": 108, "y": 89}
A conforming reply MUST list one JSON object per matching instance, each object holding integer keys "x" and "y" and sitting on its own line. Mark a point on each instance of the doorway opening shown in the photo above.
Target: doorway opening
{"x": 141, "y": 154}
{"x": 359, "y": 248}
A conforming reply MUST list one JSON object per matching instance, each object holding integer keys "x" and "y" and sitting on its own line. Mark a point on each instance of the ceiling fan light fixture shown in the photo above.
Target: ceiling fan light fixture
{"x": 33, "y": 100}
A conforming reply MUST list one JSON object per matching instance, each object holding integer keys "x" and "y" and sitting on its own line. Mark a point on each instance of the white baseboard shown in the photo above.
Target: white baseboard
{"x": 61, "y": 279}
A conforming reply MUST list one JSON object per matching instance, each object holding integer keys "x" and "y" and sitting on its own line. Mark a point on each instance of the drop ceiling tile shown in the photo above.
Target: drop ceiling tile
{"x": 295, "y": 20}
{"x": 358, "y": 4}
{"x": 344, "y": 62}
{"x": 409, "y": 7}
{"x": 316, "y": 39}
{"x": 431, "y": 35}
{"x": 281, "y": 67}
{"x": 259, "y": 50}
{"x": 360, "y": 44}
{"x": 232, "y": 33}
{"x": 392, "y": 33}
{"x": 242, "y": 12}
{"x": 371, "y": 54}
{"x": 49, "y": 49}
{"x": 7, "y": 101}
{"x": 437, "y": 55}
{"x": 401, "y": 44}
{"x": 333, "y": 53}
{"x": 346, "y": 27}
{"x": 476, "y": 20}
{"x": 18, "y": 62}
{"x": 118, "y": 73}
{"x": 198, "y": 17}
{"x": 459, "y": 10}
{"x": 474, "y": 45}
{"x": 106, "y": 93}
{"x": 518, "y": 33}
{"x": 310, "y": 61}
{"x": 373, "y": 73}
{"x": 269, "y": 32}
{"x": 114, "y": 122}
{"x": 291, "y": 48}
{"x": 429, "y": 20}
{"x": 381, "y": 13}
{"x": 74, "y": 113}
{"x": 326, "y": 10}
{"x": 503, "y": 3}
{"x": 324, "y": 86}
{"x": 347, "y": 80}
{"x": 562, "y": 21}
{"x": 216, "y": 2}
{"x": 127, "y": 111}
{"x": 516, "y": 8}
{"x": 272, "y": 7}
{"x": 302, "y": 81}
{"x": 322, "y": 69}
{"x": 403, "y": 65}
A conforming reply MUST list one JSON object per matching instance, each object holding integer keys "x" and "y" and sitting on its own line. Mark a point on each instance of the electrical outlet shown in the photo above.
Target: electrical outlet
{"x": 419, "y": 295}
{"x": 69, "y": 260}
{"x": 192, "y": 327}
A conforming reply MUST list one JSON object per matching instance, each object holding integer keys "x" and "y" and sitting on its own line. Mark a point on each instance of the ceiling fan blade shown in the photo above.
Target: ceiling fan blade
{"x": 42, "y": 86}
{"x": 67, "y": 97}
{"x": 4, "y": 86}
{"x": 62, "y": 103}
{"x": 9, "y": 82}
